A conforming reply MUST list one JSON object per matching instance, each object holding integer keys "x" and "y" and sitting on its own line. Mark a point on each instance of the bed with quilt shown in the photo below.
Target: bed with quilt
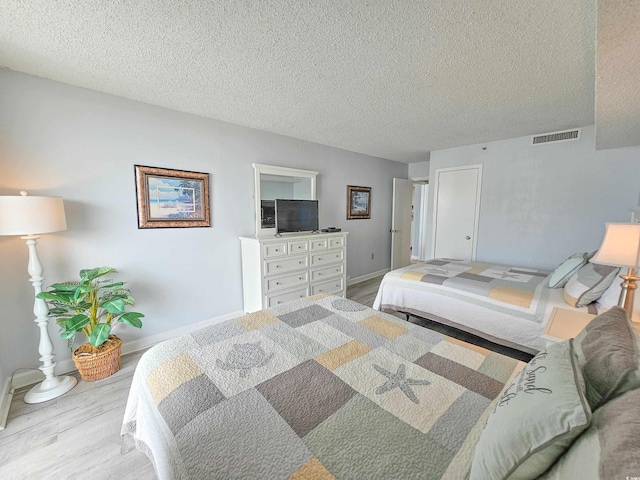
{"x": 506, "y": 305}
{"x": 318, "y": 388}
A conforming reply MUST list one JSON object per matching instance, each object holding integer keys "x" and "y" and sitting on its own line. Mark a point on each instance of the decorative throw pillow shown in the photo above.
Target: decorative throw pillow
{"x": 588, "y": 284}
{"x": 536, "y": 418}
{"x": 609, "y": 448}
{"x": 567, "y": 269}
{"x": 611, "y": 296}
{"x": 608, "y": 352}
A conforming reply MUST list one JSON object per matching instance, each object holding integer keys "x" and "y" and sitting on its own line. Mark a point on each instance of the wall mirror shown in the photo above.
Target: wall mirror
{"x": 279, "y": 182}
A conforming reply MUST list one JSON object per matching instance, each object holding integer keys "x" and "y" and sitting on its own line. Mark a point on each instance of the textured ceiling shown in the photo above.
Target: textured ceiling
{"x": 393, "y": 79}
{"x": 618, "y": 74}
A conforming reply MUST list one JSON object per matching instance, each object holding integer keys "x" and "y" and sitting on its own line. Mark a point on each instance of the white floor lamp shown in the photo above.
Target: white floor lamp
{"x": 30, "y": 216}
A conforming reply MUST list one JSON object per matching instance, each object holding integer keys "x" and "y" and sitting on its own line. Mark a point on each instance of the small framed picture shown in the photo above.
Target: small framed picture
{"x": 170, "y": 198}
{"x": 358, "y": 202}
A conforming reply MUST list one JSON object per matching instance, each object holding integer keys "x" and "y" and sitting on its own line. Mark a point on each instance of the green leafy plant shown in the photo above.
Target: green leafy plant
{"x": 91, "y": 306}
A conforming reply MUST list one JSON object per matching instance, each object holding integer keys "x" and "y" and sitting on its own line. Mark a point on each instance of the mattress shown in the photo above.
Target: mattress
{"x": 321, "y": 387}
{"x": 503, "y": 304}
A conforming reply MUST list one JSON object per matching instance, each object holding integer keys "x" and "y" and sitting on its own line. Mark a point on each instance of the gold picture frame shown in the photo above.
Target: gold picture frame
{"x": 169, "y": 198}
{"x": 358, "y": 202}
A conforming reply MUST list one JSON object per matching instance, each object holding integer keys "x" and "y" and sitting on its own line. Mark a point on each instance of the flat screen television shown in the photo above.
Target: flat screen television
{"x": 296, "y": 215}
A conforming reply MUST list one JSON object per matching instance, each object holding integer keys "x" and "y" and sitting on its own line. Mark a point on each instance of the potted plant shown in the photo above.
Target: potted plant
{"x": 92, "y": 306}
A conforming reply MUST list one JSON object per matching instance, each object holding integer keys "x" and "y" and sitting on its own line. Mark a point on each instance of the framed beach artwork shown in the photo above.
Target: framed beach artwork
{"x": 170, "y": 198}
{"x": 358, "y": 202}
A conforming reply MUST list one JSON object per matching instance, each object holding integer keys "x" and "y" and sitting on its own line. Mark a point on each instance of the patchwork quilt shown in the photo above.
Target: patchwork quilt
{"x": 511, "y": 285}
{"x": 503, "y": 304}
{"x": 318, "y": 388}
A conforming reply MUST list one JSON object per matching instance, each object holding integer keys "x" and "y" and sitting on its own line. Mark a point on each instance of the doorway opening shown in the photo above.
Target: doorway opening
{"x": 419, "y": 209}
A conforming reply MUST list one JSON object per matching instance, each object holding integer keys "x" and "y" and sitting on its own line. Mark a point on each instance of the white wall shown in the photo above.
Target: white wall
{"x": 57, "y": 139}
{"x": 541, "y": 204}
{"x": 419, "y": 170}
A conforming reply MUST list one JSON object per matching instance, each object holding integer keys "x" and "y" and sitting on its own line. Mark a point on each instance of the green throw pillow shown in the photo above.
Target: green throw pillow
{"x": 567, "y": 269}
{"x": 609, "y": 448}
{"x": 608, "y": 352}
{"x": 535, "y": 419}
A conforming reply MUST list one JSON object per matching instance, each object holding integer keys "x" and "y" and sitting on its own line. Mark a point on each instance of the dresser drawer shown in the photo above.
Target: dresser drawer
{"x": 273, "y": 300}
{"x": 282, "y": 265}
{"x": 332, "y": 286}
{"x": 327, "y": 272}
{"x": 319, "y": 244}
{"x": 336, "y": 242}
{"x": 275, "y": 250}
{"x": 291, "y": 280}
{"x": 297, "y": 247}
{"x": 326, "y": 258}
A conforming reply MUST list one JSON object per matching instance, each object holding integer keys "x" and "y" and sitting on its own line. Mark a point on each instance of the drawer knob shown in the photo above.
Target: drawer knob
{"x": 277, "y": 283}
{"x": 300, "y": 262}
{"x": 279, "y": 302}
{"x": 301, "y": 296}
{"x": 277, "y": 266}
{"x": 319, "y": 274}
{"x": 319, "y": 258}
{"x": 299, "y": 278}
{"x": 319, "y": 289}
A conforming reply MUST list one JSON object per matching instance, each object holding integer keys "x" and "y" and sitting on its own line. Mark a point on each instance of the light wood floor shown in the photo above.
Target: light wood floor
{"x": 73, "y": 436}
{"x": 78, "y": 434}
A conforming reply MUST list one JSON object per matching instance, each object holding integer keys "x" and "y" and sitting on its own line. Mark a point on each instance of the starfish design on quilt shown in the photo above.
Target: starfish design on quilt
{"x": 399, "y": 380}
{"x": 244, "y": 357}
{"x": 509, "y": 275}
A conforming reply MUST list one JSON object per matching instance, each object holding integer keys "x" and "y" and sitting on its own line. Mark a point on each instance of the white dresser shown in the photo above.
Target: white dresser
{"x": 277, "y": 270}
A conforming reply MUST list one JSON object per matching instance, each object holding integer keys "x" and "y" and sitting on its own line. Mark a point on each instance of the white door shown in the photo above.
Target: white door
{"x": 401, "y": 223}
{"x": 456, "y": 211}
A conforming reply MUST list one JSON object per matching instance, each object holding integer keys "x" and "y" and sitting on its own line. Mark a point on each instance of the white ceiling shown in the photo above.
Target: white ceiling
{"x": 618, "y": 74}
{"x": 393, "y": 79}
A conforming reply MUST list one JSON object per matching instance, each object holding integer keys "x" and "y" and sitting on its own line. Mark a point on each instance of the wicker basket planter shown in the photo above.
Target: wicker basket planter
{"x": 95, "y": 363}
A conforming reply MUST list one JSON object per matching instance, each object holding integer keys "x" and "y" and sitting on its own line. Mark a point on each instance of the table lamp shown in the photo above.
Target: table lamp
{"x": 621, "y": 248}
{"x": 30, "y": 216}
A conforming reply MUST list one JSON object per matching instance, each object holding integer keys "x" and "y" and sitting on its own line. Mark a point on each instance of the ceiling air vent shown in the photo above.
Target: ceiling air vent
{"x": 556, "y": 137}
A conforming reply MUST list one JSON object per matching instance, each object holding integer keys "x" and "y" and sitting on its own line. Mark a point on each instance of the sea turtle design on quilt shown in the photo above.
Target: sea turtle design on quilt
{"x": 244, "y": 357}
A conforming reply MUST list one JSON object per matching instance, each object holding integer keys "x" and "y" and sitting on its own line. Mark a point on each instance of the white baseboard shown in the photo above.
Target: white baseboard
{"x": 5, "y": 402}
{"x": 148, "y": 342}
{"x": 65, "y": 366}
{"x": 368, "y": 276}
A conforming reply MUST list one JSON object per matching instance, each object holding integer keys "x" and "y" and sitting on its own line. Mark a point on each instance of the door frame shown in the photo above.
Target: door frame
{"x": 421, "y": 253}
{"x": 436, "y": 186}
{"x": 422, "y": 234}
{"x": 394, "y": 220}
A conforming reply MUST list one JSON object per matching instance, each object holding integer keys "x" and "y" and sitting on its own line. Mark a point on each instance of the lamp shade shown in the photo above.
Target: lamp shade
{"x": 26, "y": 215}
{"x": 621, "y": 245}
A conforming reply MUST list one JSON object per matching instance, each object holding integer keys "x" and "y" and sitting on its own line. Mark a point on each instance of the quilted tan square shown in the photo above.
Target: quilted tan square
{"x": 312, "y": 470}
{"x": 256, "y": 320}
{"x": 383, "y": 327}
{"x": 343, "y": 354}
{"x": 171, "y": 374}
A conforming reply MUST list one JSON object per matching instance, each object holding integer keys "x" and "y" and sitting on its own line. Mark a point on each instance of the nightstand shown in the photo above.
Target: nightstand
{"x": 565, "y": 323}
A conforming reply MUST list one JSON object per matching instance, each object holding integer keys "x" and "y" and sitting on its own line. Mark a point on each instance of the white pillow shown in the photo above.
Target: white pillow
{"x": 610, "y": 296}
